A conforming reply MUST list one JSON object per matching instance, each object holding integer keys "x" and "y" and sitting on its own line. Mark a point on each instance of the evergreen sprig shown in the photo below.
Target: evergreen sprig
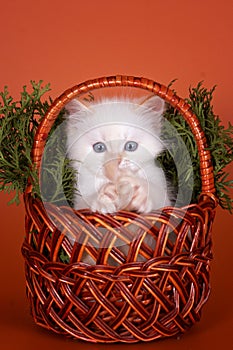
{"x": 57, "y": 175}
{"x": 219, "y": 140}
{"x": 19, "y": 121}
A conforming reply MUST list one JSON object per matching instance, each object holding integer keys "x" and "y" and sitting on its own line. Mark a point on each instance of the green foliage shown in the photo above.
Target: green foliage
{"x": 19, "y": 121}
{"x": 57, "y": 175}
{"x": 219, "y": 140}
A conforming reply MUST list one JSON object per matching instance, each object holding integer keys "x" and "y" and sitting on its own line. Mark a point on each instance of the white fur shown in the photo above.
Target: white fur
{"x": 117, "y": 179}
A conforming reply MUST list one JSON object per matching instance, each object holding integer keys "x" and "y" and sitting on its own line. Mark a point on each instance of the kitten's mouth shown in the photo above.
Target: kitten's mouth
{"x": 115, "y": 168}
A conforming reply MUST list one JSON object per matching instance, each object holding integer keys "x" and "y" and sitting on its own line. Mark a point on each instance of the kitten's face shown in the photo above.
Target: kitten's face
{"x": 112, "y": 139}
{"x": 116, "y": 146}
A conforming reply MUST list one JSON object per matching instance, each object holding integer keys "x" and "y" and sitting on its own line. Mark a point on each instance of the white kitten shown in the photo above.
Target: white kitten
{"x": 113, "y": 145}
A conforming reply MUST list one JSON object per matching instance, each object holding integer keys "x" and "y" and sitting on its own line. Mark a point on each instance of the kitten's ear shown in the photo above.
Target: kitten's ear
{"x": 76, "y": 106}
{"x": 153, "y": 108}
{"x": 155, "y": 104}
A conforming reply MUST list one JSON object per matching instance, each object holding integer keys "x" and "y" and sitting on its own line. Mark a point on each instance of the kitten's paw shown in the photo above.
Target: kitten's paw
{"x": 106, "y": 200}
{"x": 133, "y": 193}
{"x": 140, "y": 201}
{"x": 125, "y": 193}
{"x": 138, "y": 195}
{"x": 104, "y": 207}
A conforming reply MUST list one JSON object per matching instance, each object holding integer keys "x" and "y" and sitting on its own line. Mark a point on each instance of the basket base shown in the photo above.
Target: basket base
{"x": 137, "y": 300}
{"x": 78, "y": 302}
{"x": 122, "y": 338}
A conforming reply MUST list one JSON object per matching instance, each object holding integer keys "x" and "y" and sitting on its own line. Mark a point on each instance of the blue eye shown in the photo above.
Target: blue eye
{"x": 99, "y": 147}
{"x": 131, "y": 146}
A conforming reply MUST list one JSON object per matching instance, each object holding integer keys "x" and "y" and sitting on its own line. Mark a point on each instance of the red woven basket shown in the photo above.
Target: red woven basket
{"x": 160, "y": 294}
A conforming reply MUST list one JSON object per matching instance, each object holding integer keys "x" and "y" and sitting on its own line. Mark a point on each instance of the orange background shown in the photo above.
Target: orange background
{"x": 65, "y": 43}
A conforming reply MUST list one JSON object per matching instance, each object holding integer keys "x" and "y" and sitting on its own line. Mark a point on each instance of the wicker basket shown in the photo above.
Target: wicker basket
{"x": 157, "y": 296}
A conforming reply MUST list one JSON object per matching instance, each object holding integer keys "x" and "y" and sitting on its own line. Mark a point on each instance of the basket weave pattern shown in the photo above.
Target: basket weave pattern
{"x": 155, "y": 287}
